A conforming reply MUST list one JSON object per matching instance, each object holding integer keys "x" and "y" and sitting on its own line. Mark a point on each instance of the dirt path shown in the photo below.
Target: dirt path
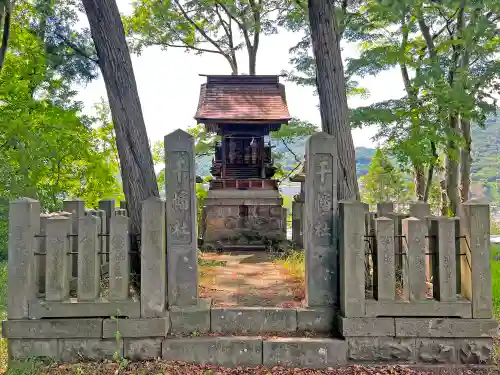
{"x": 247, "y": 279}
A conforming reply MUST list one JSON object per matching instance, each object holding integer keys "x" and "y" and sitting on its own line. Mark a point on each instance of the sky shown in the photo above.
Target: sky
{"x": 169, "y": 84}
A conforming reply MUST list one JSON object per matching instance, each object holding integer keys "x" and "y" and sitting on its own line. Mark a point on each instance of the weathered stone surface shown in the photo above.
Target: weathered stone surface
{"x": 191, "y": 319}
{"x": 475, "y": 351}
{"x": 304, "y": 352}
{"x": 52, "y": 329}
{"x": 461, "y": 308}
{"x": 200, "y": 350}
{"x": 385, "y": 270}
{"x": 77, "y": 209}
{"x": 420, "y": 209}
{"x": 297, "y": 222}
{"x": 142, "y": 349}
{"x": 238, "y": 351}
{"x": 477, "y": 232}
{"x": 181, "y": 212}
{"x": 119, "y": 248}
{"x": 253, "y": 320}
{"x": 321, "y": 221}
{"x": 89, "y": 349}
{"x": 352, "y": 259}
{"x": 20, "y": 349}
{"x": 225, "y": 351}
{"x": 24, "y": 223}
{"x": 57, "y": 279}
{"x": 366, "y": 326}
{"x": 415, "y": 232}
{"x": 42, "y": 309}
{"x": 151, "y": 327}
{"x": 316, "y": 319}
{"x": 88, "y": 258}
{"x": 384, "y": 209}
{"x": 436, "y": 351}
{"x": 445, "y": 283}
{"x": 414, "y": 327}
{"x": 381, "y": 349}
{"x": 153, "y": 259}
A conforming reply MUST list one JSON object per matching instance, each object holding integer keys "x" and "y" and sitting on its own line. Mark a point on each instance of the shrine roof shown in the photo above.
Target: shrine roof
{"x": 242, "y": 99}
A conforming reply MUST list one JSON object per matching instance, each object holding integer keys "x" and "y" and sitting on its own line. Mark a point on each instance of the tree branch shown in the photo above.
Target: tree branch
{"x": 5, "y": 33}
{"x": 75, "y": 48}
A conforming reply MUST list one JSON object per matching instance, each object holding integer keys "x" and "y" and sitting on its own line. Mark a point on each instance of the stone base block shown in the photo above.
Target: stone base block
{"x": 22, "y": 349}
{"x": 253, "y": 320}
{"x": 77, "y": 309}
{"x": 304, "y": 352}
{"x": 419, "y": 350}
{"x": 458, "y": 309}
{"x": 452, "y": 328}
{"x": 79, "y": 350}
{"x": 142, "y": 349}
{"x": 150, "y": 327}
{"x": 366, "y": 326}
{"x": 52, "y": 328}
{"x": 316, "y": 319}
{"x": 191, "y": 319}
{"x": 224, "y": 351}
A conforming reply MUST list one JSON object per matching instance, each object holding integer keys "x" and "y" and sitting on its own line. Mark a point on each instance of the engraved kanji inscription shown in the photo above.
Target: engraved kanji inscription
{"x": 324, "y": 170}
{"x": 322, "y": 230}
{"x": 180, "y": 201}
{"x": 181, "y": 167}
{"x": 179, "y": 230}
{"x": 325, "y": 202}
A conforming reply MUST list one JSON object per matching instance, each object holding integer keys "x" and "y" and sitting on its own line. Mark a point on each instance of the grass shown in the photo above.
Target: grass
{"x": 495, "y": 276}
{"x": 295, "y": 264}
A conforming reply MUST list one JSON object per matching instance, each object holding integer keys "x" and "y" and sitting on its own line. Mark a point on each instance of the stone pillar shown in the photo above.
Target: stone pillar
{"x": 352, "y": 259}
{"x": 119, "y": 258}
{"x": 415, "y": 231}
{"x": 89, "y": 265}
{"x": 384, "y": 209}
{"x": 297, "y": 223}
{"x": 321, "y": 221}
{"x": 24, "y": 224}
{"x": 385, "y": 270}
{"x": 40, "y": 259}
{"x": 477, "y": 232}
{"x": 153, "y": 259}
{"x": 420, "y": 209}
{"x": 56, "y": 280}
{"x": 77, "y": 209}
{"x": 444, "y": 272}
{"x": 108, "y": 206}
{"x": 181, "y": 209}
{"x": 104, "y": 239}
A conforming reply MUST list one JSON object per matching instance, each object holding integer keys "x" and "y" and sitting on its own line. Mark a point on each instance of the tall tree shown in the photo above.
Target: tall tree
{"x": 221, "y": 27}
{"x": 6, "y": 7}
{"x": 136, "y": 162}
{"x": 330, "y": 81}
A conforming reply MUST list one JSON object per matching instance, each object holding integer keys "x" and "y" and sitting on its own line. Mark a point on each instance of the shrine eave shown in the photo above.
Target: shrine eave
{"x": 222, "y": 121}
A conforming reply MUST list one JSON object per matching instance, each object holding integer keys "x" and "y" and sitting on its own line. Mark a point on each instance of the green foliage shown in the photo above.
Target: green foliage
{"x": 495, "y": 276}
{"x": 52, "y": 151}
{"x": 384, "y": 182}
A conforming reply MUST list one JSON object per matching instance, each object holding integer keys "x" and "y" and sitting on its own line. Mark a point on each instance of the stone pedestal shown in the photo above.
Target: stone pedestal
{"x": 246, "y": 218}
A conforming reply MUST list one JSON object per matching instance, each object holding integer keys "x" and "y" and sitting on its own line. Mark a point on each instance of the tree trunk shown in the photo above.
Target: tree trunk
{"x": 5, "y": 15}
{"x": 252, "y": 60}
{"x": 330, "y": 82}
{"x": 419, "y": 179}
{"x": 136, "y": 161}
{"x": 452, "y": 167}
{"x": 465, "y": 160}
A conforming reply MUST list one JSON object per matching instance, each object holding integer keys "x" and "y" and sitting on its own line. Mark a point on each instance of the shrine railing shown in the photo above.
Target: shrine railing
{"x": 248, "y": 184}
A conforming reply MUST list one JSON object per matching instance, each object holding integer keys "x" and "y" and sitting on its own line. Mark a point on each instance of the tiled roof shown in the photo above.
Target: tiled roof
{"x": 242, "y": 98}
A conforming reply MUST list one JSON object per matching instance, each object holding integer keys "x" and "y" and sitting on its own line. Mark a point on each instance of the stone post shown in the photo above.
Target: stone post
{"x": 352, "y": 259}
{"x": 119, "y": 257}
{"x": 385, "y": 275}
{"x": 420, "y": 209}
{"x": 103, "y": 240}
{"x": 384, "y": 209}
{"x": 40, "y": 259}
{"x": 77, "y": 209}
{"x": 415, "y": 231}
{"x": 297, "y": 223}
{"x": 89, "y": 265}
{"x": 321, "y": 221}
{"x": 56, "y": 281}
{"x": 108, "y": 206}
{"x": 24, "y": 224}
{"x": 477, "y": 232}
{"x": 181, "y": 209}
{"x": 444, "y": 272}
{"x": 153, "y": 259}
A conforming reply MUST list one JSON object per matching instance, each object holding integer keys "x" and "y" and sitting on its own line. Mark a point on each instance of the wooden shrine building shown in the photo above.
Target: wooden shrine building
{"x": 243, "y": 208}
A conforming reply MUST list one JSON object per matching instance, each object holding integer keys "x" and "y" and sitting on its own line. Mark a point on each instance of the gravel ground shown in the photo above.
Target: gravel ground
{"x": 178, "y": 368}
